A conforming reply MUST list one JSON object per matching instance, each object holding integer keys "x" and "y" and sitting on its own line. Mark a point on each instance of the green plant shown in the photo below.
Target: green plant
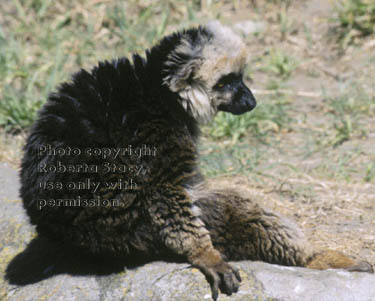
{"x": 355, "y": 18}
{"x": 347, "y": 111}
{"x": 280, "y": 63}
{"x": 356, "y": 103}
{"x": 285, "y": 23}
{"x": 17, "y": 113}
{"x": 370, "y": 172}
{"x": 266, "y": 118}
{"x": 219, "y": 159}
{"x": 344, "y": 130}
{"x": 281, "y": 2}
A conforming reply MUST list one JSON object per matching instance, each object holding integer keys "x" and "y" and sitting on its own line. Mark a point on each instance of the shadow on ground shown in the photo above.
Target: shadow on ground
{"x": 43, "y": 259}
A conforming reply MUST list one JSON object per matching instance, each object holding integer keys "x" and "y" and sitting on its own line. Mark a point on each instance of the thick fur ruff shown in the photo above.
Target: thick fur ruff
{"x": 116, "y": 105}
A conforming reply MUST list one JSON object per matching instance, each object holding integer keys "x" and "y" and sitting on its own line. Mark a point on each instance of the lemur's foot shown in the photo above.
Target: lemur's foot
{"x": 337, "y": 260}
{"x": 361, "y": 266}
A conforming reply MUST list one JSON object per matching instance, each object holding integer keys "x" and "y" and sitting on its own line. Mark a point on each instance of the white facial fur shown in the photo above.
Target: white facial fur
{"x": 212, "y": 58}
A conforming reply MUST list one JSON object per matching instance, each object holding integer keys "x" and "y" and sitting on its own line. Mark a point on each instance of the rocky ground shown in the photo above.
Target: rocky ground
{"x": 38, "y": 273}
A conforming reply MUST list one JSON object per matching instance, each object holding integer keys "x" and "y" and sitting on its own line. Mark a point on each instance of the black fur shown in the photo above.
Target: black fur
{"x": 117, "y": 105}
{"x": 108, "y": 107}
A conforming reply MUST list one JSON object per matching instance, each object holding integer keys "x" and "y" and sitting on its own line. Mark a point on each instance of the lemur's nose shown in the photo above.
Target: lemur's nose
{"x": 247, "y": 100}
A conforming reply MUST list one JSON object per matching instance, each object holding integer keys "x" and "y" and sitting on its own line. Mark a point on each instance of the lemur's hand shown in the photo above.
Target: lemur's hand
{"x": 219, "y": 273}
{"x": 225, "y": 277}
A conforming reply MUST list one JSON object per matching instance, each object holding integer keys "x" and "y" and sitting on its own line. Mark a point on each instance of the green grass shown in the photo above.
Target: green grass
{"x": 41, "y": 44}
{"x": 370, "y": 172}
{"x": 356, "y": 103}
{"x": 347, "y": 112}
{"x": 355, "y": 19}
{"x": 268, "y": 116}
{"x": 280, "y": 2}
{"x": 280, "y": 64}
{"x": 16, "y": 112}
{"x": 344, "y": 130}
{"x": 222, "y": 159}
{"x": 285, "y": 23}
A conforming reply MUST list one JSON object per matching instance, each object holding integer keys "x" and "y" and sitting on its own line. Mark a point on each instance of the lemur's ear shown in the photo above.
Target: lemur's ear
{"x": 180, "y": 67}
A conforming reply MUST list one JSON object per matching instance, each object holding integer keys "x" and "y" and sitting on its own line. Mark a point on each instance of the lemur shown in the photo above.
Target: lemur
{"x": 157, "y": 101}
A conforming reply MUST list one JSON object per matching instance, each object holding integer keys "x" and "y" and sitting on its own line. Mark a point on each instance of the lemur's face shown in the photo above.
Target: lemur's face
{"x": 230, "y": 94}
{"x": 205, "y": 69}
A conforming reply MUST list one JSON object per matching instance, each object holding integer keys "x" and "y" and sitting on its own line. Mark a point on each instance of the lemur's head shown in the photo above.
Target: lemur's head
{"x": 206, "y": 69}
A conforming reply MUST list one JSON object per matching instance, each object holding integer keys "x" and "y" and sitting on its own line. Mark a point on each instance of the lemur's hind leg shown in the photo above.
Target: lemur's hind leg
{"x": 240, "y": 229}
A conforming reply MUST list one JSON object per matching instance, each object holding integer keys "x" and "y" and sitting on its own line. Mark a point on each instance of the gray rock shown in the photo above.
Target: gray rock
{"x": 9, "y": 184}
{"x": 152, "y": 281}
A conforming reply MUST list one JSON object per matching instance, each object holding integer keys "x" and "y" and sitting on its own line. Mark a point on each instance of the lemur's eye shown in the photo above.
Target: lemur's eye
{"x": 227, "y": 79}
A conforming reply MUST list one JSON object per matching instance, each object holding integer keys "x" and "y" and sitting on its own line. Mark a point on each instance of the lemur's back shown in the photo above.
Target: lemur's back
{"x": 99, "y": 144}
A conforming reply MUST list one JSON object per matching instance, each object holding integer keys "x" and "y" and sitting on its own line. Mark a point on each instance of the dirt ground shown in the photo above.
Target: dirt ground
{"x": 302, "y": 175}
{"x": 311, "y": 170}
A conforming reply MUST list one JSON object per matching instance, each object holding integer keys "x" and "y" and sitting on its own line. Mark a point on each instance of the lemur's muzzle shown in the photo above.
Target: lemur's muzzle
{"x": 243, "y": 100}
{"x": 247, "y": 99}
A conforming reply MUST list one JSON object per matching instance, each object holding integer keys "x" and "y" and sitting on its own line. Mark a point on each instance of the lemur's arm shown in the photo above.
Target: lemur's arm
{"x": 177, "y": 219}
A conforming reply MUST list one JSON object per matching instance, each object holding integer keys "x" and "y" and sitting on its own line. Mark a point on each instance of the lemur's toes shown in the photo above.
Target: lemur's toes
{"x": 330, "y": 259}
{"x": 361, "y": 266}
